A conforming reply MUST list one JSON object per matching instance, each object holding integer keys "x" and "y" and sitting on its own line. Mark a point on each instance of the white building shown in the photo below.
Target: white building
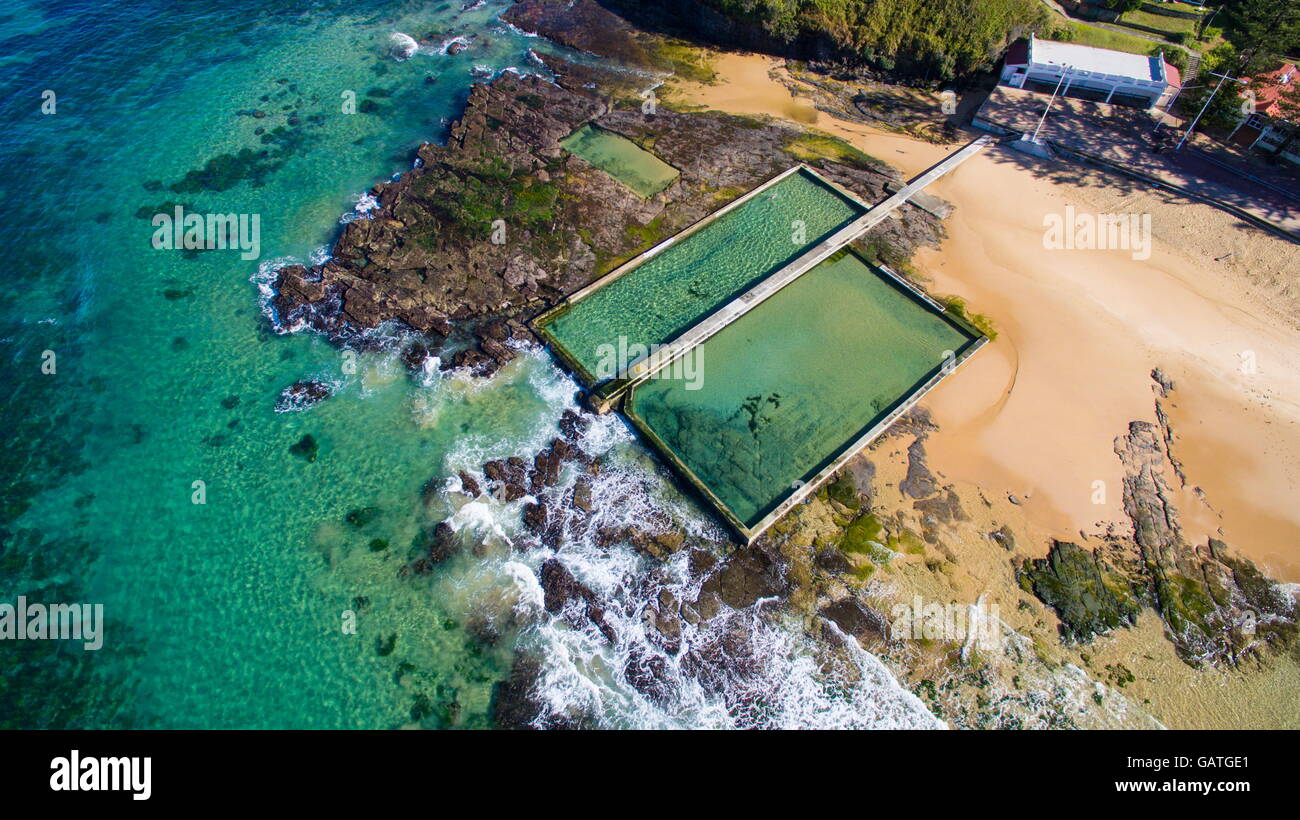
{"x": 1092, "y": 73}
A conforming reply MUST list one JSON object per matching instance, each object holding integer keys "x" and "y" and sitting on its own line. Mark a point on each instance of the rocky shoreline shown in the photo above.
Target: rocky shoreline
{"x": 501, "y": 222}
{"x": 1217, "y": 606}
{"x": 426, "y": 259}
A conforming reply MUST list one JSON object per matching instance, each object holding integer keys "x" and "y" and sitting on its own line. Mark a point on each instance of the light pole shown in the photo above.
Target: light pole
{"x": 1200, "y": 31}
{"x": 1065, "y": 70}
{"x": 1208, "y": 99}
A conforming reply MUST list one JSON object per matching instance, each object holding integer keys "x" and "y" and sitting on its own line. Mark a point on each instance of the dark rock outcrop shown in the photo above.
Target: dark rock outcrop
{"x": 746, "y": 577}
{"x": 1088, "y": 595}
{"x": 560, "y": 588}
{"x": 302, "y": 395}
{"x": 501, "y": 221}
{"x": 856, "y": 619}
{"x": 1217, "y": 606}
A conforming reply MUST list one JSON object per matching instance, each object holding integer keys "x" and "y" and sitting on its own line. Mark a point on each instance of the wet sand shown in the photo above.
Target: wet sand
{"x": 1036, "y": 413}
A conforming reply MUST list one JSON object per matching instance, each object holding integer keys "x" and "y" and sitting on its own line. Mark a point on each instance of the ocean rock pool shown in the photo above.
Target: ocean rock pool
{"x": 808, "y": 376}
{"x": 622, "y": 159}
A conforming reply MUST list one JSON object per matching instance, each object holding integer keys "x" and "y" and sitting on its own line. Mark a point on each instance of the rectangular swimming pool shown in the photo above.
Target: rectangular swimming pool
{"x": 806, "y": 377}
{"x": 661, "y": 294}
{"x": 622, "y": 159}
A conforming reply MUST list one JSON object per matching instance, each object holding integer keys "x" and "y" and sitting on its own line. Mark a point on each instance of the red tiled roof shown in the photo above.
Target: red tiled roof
{"x": 1268, "y": 88}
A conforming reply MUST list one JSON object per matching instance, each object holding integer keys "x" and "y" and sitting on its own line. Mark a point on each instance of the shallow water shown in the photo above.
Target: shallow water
{"x": 226, "y": 613}
{"x": 622, "y": 159}
{"x": 668, "y": 293}
{"x": 782, "y": 391}
{"x": 234, "y": 612}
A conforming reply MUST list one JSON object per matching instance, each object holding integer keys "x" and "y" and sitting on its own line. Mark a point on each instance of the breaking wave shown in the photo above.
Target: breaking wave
{"x": 756, "y": 667}
{"x": 402, "y": 46}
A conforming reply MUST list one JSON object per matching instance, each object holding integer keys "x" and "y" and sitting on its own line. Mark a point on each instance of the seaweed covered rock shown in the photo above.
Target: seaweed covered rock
{"x": 1087, "y": 595}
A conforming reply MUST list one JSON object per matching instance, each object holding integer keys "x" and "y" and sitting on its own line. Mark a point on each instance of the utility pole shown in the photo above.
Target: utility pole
{"x": 1208, "y": 100}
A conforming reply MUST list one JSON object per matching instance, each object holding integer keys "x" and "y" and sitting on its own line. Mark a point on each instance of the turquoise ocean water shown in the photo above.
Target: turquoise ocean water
{"x": 166, "y": 370}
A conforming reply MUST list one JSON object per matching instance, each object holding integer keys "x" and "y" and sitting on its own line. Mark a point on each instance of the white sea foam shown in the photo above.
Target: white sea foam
{"x": 782, "y": 677}
{"x": 264, "y": 280}
{"x": 365, "y": 206}
{"x": 320, "y": 256}
{"x": 513, "y": 28}
{"x": 479, "y": 518}
{"x": 402, "y": 46}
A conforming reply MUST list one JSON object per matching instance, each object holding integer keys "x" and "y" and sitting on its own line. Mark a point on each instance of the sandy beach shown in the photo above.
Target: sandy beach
{"x": 1035, "y": 414}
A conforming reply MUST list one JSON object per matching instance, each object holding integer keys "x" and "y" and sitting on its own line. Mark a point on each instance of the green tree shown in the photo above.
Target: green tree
{"x": 935, "y": 40}
{"x": 1263, "y": 31}
{"x": 1124, "y": 6}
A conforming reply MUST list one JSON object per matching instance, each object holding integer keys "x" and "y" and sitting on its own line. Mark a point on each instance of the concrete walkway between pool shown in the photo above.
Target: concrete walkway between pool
{"x": 602, "y": 400}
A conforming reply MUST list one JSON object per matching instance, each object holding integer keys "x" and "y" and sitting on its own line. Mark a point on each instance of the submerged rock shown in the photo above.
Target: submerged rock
{"x": 306, "y": 447}
{"x": 441, "y": 542}
{"x": 361, "y": 516}
{"x": 515, "y": 701}
{"x": 302, "y": 395}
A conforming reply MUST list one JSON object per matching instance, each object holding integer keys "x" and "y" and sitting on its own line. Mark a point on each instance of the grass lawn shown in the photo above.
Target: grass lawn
{"x": 1160, "y": 22}
{"x": 1087, "y": 35}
